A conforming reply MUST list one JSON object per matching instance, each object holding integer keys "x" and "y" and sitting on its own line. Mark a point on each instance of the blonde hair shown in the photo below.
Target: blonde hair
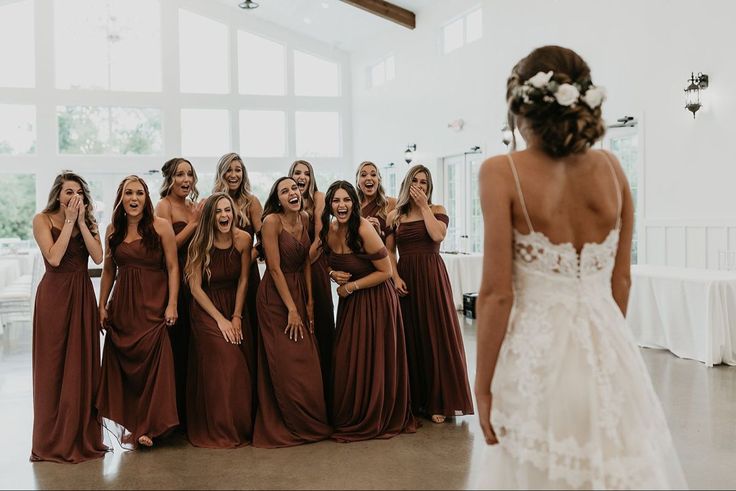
{"x": 403, "y": 202}
{"x": 243, "y": 195}
{"x": 381, "y": 199}
{"x": 54, "y": 201}
{"x": 198, "y": 253}
{"x": 311, "y": 191}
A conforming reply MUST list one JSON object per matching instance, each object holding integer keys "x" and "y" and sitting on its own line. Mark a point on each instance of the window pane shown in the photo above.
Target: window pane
{"x": 317, "y": 134}
{"x": 453, "y": 34}
{"x": 109, "y": 130}
{"x": 476, "y": 222}
{"x": 17, "y": 45}
{"x": 262, "y": 133}
{"x": 390, "y": 68}
{"x": 474, "y": 26}
{"x": 315, "y": 76}
{"x": 261, "y": 182}
{"x": 204, "y": 54}
{"x": 112, "y": 45}
{"x": 261, "y": 65}
{"x": 205, "y": 132}
{"x": 17, "y": 129}
{"x": 378, "y": 74}
{"x": 18, "y": 202}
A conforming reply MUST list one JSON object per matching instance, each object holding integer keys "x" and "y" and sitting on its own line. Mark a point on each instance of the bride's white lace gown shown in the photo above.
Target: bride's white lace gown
{"x": 573, "y": 404}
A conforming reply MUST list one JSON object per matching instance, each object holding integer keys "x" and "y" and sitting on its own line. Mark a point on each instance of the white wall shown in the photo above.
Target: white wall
{"x": 641, "y": 51}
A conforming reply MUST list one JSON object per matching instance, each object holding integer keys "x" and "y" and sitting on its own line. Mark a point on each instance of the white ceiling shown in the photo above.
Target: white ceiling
{"x": 331, "y": 21}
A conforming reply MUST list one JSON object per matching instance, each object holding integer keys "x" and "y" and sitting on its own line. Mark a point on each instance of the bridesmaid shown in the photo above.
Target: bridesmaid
{"x": 137, "y": 392}
{"x": 220, "y": 383}
{"x": 232, "y": 178}
{"x": 179, "y": 206}
{"x": 302, "y": 172}
{"x": 434, "y": 343}
{"x": 66, "y": 341}
{"x": 290, "y": 393}
{"x": 371, "y": 377}
{"x": 374, "y": 204}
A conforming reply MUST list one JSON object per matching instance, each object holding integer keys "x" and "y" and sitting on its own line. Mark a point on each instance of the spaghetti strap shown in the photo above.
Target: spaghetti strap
{"x": 521, "y": 195}
{"x": 618, "y": 189}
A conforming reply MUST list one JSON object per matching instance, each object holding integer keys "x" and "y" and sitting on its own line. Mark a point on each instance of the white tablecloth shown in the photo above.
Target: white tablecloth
{"x": 690, "y": 312}
{"x": 465, "y": 271}
{"x": 25, "y": 261}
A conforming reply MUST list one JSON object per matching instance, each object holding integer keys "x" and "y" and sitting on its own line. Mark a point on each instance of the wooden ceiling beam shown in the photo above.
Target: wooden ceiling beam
{"x": 386, "y": 10}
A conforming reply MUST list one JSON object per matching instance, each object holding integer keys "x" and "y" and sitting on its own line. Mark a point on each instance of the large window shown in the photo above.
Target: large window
{"x": 88, "y": 130}
{"x": 624, "y": 143}
{"x": 17, "y": 129}
{"x": 108, "y": 45}
{"x": 129, "y": 84}
{"x": 17, "y": 46}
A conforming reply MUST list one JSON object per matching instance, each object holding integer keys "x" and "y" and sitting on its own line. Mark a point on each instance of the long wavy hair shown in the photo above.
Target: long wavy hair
{"x": 168, "y": 171}
{"x": 198, "y": 253}
{"x": 355, "y": 243}
{"x": 403, "y": 203}
{"x": 54, "y": 201}
{"x": 243, "y": 196}
{"x": 380, "y": 198}
{"x": 311, "y": 191}
{"x": 271, "y": 206}
{"x": 149, "y": 236}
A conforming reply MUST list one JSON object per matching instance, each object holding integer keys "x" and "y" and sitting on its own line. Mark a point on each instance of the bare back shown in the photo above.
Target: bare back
{"x": 577, "y": 199}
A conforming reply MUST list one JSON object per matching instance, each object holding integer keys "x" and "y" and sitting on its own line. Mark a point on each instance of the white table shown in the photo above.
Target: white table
{"x": 690, "y": 312}
{"x": 465, "y": 271}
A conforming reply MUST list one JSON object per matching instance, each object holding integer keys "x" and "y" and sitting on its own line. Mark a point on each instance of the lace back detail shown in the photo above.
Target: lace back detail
{"x": 535, "y": 252}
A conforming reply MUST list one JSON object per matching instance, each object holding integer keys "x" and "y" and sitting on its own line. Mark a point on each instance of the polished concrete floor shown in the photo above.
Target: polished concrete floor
{"x": 700, "y": 404}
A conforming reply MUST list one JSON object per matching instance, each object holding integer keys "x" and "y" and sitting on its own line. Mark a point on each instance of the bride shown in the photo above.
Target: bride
{"x": 560, "y": 384}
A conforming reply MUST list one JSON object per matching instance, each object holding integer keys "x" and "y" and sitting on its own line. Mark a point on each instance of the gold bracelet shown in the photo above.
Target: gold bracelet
{"x": 238, "y": 316}
{"x": 356, "y": 285}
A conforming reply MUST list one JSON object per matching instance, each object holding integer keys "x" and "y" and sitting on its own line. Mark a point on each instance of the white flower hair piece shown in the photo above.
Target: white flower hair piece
{"x": 542, "y": 89}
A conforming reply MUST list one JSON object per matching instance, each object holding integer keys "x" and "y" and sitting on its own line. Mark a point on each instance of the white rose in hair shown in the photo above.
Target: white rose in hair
{"x": 594, "y": 96}
{"x": 567, "y": 95}
{"x": 541, "y": 79}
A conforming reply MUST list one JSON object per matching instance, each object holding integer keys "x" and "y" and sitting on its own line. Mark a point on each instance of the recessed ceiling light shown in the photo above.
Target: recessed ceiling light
{"x": 307, "y": 20}
{"x": 325, "y": 5}
{"x": 248, "y": 5}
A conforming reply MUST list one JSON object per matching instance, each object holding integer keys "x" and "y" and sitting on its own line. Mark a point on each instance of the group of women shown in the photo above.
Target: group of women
{"x": 196, "y": 339}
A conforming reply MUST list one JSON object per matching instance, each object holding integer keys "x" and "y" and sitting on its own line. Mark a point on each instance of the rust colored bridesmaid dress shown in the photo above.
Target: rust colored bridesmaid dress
{"x": 220, "y": 400}
{"x": 66, "y": 361}
{"x": 371, "y": 210}
{"x": 137, "y": 394}
{"x": 180, "y": 333}
{"x": 371, "y": 397}
{"x": 434, "y": 342}
{"x": 324, "y": 313}
{"x": 291, "y": 404}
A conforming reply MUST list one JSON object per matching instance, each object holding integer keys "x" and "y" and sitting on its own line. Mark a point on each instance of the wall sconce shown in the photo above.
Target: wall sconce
{"x": 409, "y": 152}
{"x": 692, "y": 92}
{"x": 474, "y": 149}
{"x": 506, "y": 135}
{"x": 248, "y": 5}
